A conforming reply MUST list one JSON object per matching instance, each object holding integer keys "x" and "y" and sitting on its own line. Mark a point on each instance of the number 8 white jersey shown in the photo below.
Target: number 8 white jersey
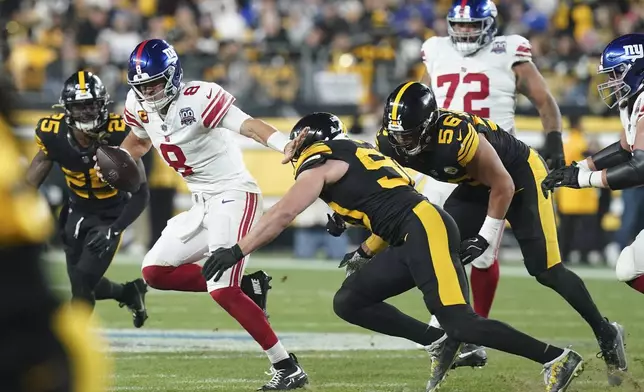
{"x": 483, "y": 83}
{"x": 193, "y": 140}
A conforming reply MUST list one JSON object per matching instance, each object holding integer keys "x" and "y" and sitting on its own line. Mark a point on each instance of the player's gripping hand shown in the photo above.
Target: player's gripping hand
{"x": 335, "y": 225}
{"x": 473, "y": 248}
{"x": 220, "y": 260}
{"x": 355, "y": 260}
{"x": 567, "y": 176}
{"x": 102, "y": 242}
{"x": 99, "y": 174}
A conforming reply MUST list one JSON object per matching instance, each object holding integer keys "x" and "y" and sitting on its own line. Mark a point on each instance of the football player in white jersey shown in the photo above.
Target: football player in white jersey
{"x": 620, "y": 165}
{"x": 473, "y": 70}
{"x": 191, "y": 124}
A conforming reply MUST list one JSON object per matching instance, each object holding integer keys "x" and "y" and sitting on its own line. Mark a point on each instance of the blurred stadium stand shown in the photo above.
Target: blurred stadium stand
{"x": 284, "y": 58}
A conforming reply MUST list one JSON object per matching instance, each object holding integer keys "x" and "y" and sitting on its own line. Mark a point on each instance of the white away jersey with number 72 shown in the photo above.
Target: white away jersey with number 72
{"x": 193, "y": 140}
{"x": 483, "y": 83}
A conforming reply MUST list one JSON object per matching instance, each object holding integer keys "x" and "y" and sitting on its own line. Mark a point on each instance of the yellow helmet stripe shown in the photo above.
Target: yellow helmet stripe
{"x": 81, "y": 81}
{"x": 394, "y": 110}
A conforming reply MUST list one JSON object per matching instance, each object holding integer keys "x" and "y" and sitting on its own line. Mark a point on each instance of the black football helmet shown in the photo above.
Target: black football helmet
{"x": 85, "y": 101}
{"x": 410, "y": 112}
{"x": 322, "y": 126}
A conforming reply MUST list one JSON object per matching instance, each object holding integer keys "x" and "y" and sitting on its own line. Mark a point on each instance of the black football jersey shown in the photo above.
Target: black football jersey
{"x": 375, "y": 192}
{"x": 453, "y": 145}
{"x": 56, "y": 139}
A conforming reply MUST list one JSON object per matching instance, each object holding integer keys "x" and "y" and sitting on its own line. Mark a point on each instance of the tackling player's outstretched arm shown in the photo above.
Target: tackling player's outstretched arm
{"x": 531, "y": 84}
{"x": 38, "y": 169}
{"x": 616, "y": 167}
{"x": 303, "y": 193}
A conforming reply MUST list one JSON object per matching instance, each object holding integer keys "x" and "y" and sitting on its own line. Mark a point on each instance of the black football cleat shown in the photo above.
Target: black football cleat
{"x": 286, "y": 379}
{"x": 256, "y": 286}
{"x": 471, "y": 355}
{"x": 614, "y": 354}
{"x": 134, "y": 298}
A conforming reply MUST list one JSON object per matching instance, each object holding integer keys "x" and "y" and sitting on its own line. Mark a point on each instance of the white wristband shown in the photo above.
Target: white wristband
{"x": 596, "y": 179}
{"x": 490, "y": 228}
{"x": 277, "y": 141}
{"x": 583, "y": 165}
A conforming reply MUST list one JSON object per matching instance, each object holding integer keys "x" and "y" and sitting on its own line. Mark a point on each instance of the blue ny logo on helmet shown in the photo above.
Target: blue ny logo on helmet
{"x": 154, "y": 73}
{"x": 471, "y": 24}
{"x": 623, "y": 62}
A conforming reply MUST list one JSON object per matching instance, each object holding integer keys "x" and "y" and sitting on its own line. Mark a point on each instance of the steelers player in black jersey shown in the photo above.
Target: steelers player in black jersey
{"x": 94, "y": 217}
{"x": 498, "y": 178}
{"x": 46, "y": 346}
{"x": 369, "y": 189}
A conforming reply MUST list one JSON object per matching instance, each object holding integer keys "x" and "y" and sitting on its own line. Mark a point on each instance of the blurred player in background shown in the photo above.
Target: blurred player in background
{"x": 46, "y": 346}
{"x": 93, "y": 219}
{"x": 620, "y": 165}
{"x": 190, "y": 125}
{"x": 475, "y": 71}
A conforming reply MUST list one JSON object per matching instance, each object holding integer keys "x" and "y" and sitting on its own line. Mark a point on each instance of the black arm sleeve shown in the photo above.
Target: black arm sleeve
{"x": 133, "y": 208}
{"x": 610, "y": 156}
{"x": 628, "y": 174}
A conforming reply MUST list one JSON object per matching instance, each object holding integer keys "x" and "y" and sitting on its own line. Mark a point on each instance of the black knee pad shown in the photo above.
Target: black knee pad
{"x": 552, "y": 276}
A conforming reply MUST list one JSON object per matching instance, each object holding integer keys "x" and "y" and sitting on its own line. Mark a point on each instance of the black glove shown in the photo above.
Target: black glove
{"x": 102, "y": 242}
{"x": 552, "y": 150}
{"x": 472, "y": 248}
{"x": 355, "y": 260}
{"x": 335, "y": 226}
{"x": 220, "y": 260}
{"x": 567, "y": 176}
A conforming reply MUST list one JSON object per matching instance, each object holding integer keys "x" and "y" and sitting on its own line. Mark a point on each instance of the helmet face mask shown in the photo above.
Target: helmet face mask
{"x": 622, "y": 65}
{"x": 157, "y": 92}
{"x": 85, "y": 105}
{"x": 86, "y": 115}
{"x": 411, "y": 141}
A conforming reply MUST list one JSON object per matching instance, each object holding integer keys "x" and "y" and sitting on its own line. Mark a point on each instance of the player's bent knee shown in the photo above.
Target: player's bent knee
{"x": 345, "y": 302}
{"x": 459, "y": 322}
{"x": 83, "y": 285}
{"x": 226, "y": 296}
{"x": 154, "y": 276}
{"x": 551, "y": 276}
{"x": 626, "y": 268}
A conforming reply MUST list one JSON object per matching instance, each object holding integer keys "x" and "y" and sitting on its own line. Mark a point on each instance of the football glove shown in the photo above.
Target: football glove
{"x": 102, "y": 242}
{"x": 220, "y": 260}
{"x": 355, "y": 260}
{"x": 472, "y": 248}
{"x": 335, "y": 225}
{"x": 567, "y": 176}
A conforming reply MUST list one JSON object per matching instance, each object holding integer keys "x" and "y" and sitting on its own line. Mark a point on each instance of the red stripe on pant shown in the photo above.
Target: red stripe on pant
{"x": 253, "y": 209}
{"x": 244, "y": 226}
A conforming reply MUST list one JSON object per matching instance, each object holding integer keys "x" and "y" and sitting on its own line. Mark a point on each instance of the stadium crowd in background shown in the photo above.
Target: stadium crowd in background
{"x": 281, "y": 42}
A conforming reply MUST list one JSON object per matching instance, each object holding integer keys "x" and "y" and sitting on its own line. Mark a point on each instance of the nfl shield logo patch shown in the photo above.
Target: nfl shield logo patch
{"x": 187, "y": 116}
{"x": 499, "y": 47}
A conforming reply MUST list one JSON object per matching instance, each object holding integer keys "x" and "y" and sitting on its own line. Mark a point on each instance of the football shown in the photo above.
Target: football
{"x": 118, "y": 168}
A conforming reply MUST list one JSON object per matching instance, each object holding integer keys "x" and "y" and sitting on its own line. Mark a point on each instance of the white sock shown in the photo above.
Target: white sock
{"x": 433, "y": 322}
{"x": 276, "y": 353}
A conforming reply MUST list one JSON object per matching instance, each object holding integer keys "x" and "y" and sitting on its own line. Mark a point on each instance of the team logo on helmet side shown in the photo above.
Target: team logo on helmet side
{"x": 633, "y": 52}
